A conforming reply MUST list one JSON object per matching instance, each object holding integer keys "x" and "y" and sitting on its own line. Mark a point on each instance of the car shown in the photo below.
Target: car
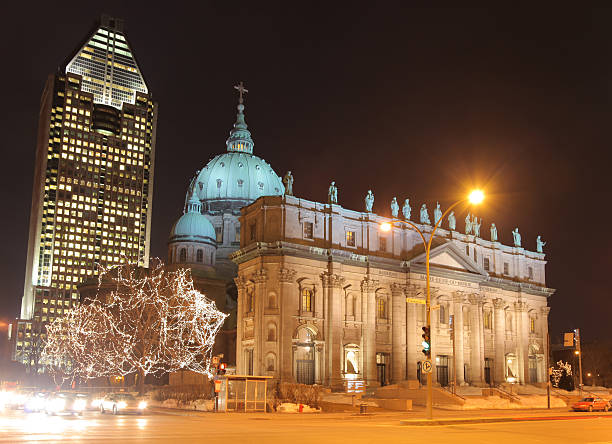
{"x": 591, "y": 403}
{"x": 117, "y": 403}
{"x": 65, "y": 403}
{"x": 36, "y": 402}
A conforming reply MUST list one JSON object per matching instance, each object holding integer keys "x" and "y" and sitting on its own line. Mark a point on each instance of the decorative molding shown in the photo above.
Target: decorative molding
{"x": 475, "y": 299}
{"x": 286, "y": 275}
{"x": 499, "y": 303}
{"x": 397, "y": 290}
{"x": 260, "y": 276}
{"x": 545, "y": 311}
{"x": 368, "y": 285}
{"x": 459, "y": 297}
{"x": 520, "y": 306}
{"x": 331, "y": 280}
{"x": 240, "y": 282}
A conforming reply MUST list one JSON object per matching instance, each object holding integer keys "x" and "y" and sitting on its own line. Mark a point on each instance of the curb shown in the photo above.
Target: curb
{"x": 458, "y": 421}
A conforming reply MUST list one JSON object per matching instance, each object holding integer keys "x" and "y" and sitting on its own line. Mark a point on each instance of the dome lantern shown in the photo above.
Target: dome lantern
{"x": 240, "y": 139}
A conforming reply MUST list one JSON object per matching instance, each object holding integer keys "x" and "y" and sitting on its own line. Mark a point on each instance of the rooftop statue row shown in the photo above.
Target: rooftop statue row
{"x": 472, "y": 223}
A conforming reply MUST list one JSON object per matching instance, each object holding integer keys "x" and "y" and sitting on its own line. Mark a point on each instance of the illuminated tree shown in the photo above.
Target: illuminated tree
{"x": 152, "y": 320}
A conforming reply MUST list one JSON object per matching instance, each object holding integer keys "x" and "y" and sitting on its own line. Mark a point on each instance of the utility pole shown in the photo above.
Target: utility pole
{"x": 548, "y": 369}
{"x": 579, "y": 353}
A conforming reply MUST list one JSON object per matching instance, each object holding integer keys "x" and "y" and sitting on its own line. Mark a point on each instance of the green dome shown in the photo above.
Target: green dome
{"x": 193, "y": 226}
{"x": 237, "y": 177}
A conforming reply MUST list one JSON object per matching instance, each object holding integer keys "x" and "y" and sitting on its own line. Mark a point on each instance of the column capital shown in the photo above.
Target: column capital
{"x": 545, "y": 311}
{"x": 397, "y": 289}
{"x": 499, "y": 303}
{"x": 240, "y": 282}
{"x": 520, "y": 306}
{"x": 331, "y": 280}
{"x": 475, "y": 299}
{"x": 368, "y": 285}
{"x": 260, "y": 276}
{"x": 286, "y": 275}
{"x": 459, "y": 297}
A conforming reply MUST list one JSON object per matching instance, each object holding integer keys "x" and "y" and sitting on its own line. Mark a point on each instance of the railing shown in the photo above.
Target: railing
{"x": 504, "y": 394}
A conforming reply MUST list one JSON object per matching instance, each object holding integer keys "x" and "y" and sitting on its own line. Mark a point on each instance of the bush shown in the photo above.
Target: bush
{"x": 297, "y": 394}
{"x": 184, "y": 394}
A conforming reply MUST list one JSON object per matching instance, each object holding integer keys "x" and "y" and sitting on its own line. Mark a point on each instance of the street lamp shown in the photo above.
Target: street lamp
{"x": 475, "y": 197}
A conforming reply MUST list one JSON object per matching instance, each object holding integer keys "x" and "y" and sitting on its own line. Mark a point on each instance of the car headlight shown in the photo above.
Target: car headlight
{"x": 96, "y": 403}
{"x": 122, "y": 404}
{"x": 79, "y": 404}
{"x": 58, "y": 404}
{"x": 142, "y": 405}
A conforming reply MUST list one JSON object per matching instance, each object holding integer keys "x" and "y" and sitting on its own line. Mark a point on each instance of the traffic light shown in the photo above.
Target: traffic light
{"x": 426, "y": 342}
{"x": 221, "y": 368}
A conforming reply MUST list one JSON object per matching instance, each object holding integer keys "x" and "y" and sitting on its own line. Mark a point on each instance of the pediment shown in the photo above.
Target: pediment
{"x": 449, "y": 257}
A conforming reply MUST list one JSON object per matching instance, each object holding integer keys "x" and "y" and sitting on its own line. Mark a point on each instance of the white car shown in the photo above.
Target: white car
{"x": 117, "y": 403}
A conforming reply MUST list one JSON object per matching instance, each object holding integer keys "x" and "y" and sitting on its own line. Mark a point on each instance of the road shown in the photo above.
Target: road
{"x": 165, "y": 427}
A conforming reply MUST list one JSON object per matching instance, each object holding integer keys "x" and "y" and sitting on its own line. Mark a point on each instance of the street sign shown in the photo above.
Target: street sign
{"x": 426, "y": 366}
{"x": 415, "y": 301}
{"x": 217, "y": 386}
{"x": 355, "y": 386}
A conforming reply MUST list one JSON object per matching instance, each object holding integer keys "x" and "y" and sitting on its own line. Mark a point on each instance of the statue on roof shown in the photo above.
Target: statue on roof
{"x": 540, "y": 244}
{"x": 493, "y": 233}
{"x": 288, "y": 182}
{"x": 369, "y": 201}
{"x": 332, "y": 193}
{"x": 468, "y": 224}
{"x": 476, "y": 225}
{"x": 394, "y": 207}
{"x": 406, "y": 210}
{"x": 452, "y": 221}
{"x": 517, "y": 237}
{"x": 437, "y": 213}
{"x": 425, "y": 215}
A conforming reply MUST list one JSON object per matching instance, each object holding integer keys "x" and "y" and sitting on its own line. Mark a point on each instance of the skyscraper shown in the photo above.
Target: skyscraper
{"x": 93, "y": 179}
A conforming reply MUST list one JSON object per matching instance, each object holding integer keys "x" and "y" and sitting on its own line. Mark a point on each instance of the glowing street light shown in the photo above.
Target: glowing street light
{"x": 475, "y": 197}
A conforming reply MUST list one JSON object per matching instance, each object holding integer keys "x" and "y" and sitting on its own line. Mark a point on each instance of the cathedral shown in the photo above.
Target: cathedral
{"x": 321, "y": 294}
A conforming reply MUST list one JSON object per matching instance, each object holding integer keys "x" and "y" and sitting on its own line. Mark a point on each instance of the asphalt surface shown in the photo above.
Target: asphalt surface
{"x": 186, "y": 427}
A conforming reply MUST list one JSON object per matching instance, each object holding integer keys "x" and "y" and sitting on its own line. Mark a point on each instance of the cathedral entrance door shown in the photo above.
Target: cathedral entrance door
{"x": 305, "y": 371}
{"x": 533, "y": 369}
{"x": 381, "y": 367}
{"x": 442, "y": 370}
{"x": 487, "y": 370}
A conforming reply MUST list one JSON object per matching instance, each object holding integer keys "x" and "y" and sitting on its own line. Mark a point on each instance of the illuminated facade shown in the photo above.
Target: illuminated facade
{"x": 93, "y": 180}
{"x": 324, "y": 296}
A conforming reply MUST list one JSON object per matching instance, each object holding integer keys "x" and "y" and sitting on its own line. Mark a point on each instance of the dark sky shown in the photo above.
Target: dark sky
{"x": 410, "y": 102}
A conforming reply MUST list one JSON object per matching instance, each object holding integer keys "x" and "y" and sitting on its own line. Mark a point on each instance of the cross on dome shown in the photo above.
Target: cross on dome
{"x": 241, "y": 90}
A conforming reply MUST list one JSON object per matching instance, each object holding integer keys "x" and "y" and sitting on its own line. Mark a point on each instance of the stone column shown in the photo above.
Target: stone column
{"x": 458, "y": 301}
{"x": 522, "y": 339}
{"x": 368, "y": 329}
{"x": 499, "y": 325}
{"x": 240, "y": 286}
{"x": 398, "y": 333}
{"x": 332, "y": 285}
{"x": 476, "y": 366}
{"x": 260, "y": 277}
{"x": 412, "y": 335}
{"x": 288, "y": 304}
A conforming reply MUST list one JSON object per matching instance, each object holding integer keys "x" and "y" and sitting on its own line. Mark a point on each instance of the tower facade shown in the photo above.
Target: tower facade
{"x": 93, "y": 179}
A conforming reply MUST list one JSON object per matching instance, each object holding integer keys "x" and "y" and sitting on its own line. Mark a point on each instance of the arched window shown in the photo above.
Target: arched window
{"x": 270, "y": 362}
{"x": 271, "y": 300}
{"x": 307, "y": 299}
{"x": 200, "y": 256}
{"x": 381, "y": 308}
{"x": 183, "y": 255}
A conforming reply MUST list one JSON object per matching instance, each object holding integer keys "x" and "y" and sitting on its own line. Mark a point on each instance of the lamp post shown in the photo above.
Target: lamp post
{"x": 475, "y": 197}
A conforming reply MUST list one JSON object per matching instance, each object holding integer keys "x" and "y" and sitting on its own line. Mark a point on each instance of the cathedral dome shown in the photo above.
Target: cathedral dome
{"x": 193, "y": 226}
{"x": 236, "y": 178}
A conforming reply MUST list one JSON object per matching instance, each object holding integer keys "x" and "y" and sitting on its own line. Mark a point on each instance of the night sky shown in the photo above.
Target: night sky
{"x": 417, "y": 102}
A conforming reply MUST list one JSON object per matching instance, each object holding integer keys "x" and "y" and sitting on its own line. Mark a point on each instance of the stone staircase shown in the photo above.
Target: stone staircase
{"x": 411, "y": 390}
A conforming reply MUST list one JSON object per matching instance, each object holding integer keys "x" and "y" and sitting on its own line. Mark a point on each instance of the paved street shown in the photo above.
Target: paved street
{"x": 260, "y": 428}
